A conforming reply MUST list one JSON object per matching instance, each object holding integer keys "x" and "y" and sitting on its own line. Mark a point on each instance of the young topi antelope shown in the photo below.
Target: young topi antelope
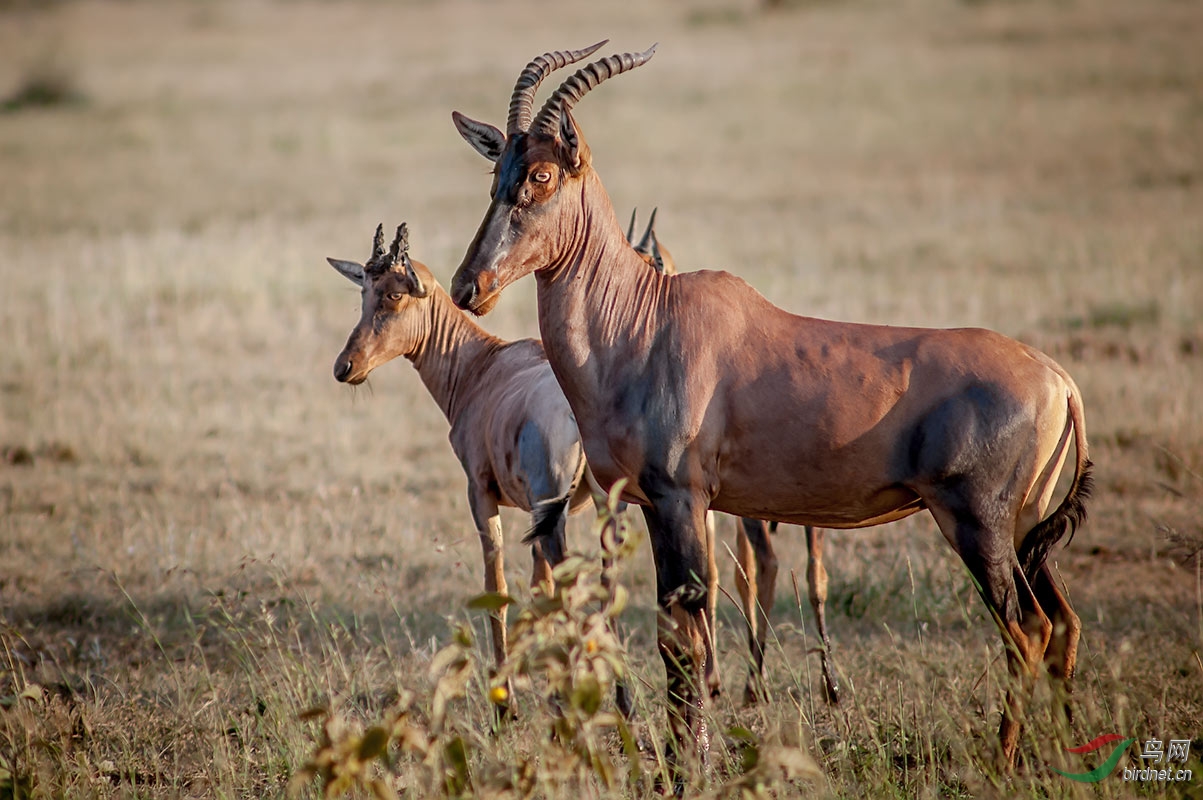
{"x": 704, "y": 395}
{"x": 756, "y": 560}
{"x": 511, "y": 427}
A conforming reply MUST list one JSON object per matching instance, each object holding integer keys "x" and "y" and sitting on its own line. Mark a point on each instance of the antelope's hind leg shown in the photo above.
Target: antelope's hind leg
{"x": 989, "y": 554}
{"x": 816, "y": 591}
{"x": 1061, "y": 657}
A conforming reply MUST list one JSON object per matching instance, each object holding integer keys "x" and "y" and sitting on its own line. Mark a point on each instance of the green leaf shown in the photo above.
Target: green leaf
{"x": 587, "y": 696}
{"x": 749, "y": 756}
{"x": 489, "y": 601}
{"x": 621, "y": 596}
{"x": 568, "y": 568}
{"x": 374, "y": 743}
{"x": 450, "y": 656}
{"x": 455, "y": 755}
{"x": 615, "y": 496}
{"x": 741, "y": 733}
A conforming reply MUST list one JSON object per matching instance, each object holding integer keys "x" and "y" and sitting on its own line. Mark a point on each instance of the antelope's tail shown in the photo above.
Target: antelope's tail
{"x": 1071, "y": 514}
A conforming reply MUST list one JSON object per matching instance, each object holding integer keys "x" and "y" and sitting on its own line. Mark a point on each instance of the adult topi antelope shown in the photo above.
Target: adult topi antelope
{"x": 756, "y": 559}
{"x": 511, "y": 427}
{"x": 704, "y": 395}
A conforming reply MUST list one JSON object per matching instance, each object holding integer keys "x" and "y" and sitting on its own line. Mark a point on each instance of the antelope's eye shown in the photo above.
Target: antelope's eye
{"x": 541, "y": 177}
{"x": 395, "y": 296}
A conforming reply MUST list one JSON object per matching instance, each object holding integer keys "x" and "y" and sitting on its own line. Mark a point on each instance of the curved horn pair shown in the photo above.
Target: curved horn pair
{"x": 523, "y": 98}
{"x": 571, "y": 91}
{"x": 588, "y": 77}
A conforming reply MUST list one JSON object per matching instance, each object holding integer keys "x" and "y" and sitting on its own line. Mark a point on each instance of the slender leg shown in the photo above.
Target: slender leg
{"x": 989, "y": 553}
{"x": 1031, "y": 637}
{"x": 1061, "y": 657}
{"x": 677, "y": 529}
{"x": 714, "y": 682}
{"x": 540, "y": 576}
{"x": 488, "y": 527}
{"x": 611, "y": 540}
{"x": 816, "y": 589}
{"x": 756, "y": 578}
{"x": 746, "y": 577}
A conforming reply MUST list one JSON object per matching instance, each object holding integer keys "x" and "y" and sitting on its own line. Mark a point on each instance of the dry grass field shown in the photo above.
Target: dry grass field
{"x": 202, "y": 535}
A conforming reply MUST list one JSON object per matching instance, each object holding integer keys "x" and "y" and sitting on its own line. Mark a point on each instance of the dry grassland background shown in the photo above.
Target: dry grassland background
{"x": 202, "y": 534}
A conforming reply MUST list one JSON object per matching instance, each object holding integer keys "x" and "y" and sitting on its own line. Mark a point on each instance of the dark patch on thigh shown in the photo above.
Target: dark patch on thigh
{"x": 967, "y": 434}
{"x": 534, "y": 462}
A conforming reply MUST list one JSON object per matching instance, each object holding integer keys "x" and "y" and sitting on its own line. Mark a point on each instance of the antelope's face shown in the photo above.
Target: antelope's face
{"x": 530, "y": 210}
{"x": 541, "y": 169}
{"x": 394, "y": 317}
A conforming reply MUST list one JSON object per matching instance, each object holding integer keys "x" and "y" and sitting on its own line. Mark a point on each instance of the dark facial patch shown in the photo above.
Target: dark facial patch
{"x": 511, "y": 171}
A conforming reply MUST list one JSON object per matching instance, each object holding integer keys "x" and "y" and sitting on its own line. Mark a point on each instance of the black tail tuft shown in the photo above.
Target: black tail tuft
{"x": 548, "y": 517}
{"x": 1068, "y": 517}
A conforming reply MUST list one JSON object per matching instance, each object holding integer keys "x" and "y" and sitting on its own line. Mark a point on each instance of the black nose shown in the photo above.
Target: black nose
{"x": 342, "y": 370}
{"x": 465, "y": 295}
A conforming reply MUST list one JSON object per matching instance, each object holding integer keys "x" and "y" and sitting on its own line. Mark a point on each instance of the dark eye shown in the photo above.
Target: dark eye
{"x": 395, "y": 296}
{"x": 541, "y": 177}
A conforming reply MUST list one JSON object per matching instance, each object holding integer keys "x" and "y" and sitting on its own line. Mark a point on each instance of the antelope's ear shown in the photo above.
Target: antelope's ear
{"x": 419, "y": 289}
{"x": 484, "y": 138}
{"x": 349, "y": 269}
{"x": 657, "y": 256}
{"x": 574, "y": 149}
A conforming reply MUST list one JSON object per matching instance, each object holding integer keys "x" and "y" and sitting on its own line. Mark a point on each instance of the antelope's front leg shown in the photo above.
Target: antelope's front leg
{"x": 677, "y": 529}
{"x": 488, "y": 527}
{"x": 612, "y": 539}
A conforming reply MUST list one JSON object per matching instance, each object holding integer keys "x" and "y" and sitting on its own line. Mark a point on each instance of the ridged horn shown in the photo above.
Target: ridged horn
{"x": 645, "y": 244}
{"x": 523, "y": 98}
{"x": 378, "y": 244}
{"x": 400, "y": 248}
{"x": 584, "y": 79}
{"x": 631, "y": 227}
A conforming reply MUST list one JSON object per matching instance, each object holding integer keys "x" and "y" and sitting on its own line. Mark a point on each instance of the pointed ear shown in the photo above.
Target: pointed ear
{"x": 412, "y": 274}
{"x": 484, "y": 138}
{"x": 657, "y": 256}
{"x": 352, "y": 271}
{"x": 575, "y": 151}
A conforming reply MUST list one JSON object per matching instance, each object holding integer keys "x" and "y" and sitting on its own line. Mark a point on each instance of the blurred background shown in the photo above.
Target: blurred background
{"x": 174, "y": 451}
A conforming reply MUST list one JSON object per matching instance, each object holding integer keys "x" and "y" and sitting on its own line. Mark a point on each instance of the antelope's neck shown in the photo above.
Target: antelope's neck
{"x": 453, "y": 355}
{"x": 599, "y": 307}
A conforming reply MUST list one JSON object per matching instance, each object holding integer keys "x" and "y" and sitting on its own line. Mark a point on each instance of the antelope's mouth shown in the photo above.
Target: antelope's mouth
{"x": 484, "y": 303}
{"x": 476, "y": 295}
{"x": 345, "y": 372}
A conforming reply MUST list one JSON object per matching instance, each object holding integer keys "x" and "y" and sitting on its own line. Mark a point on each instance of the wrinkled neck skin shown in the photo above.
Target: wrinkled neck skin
{"x": 452, "y": 355}
{"x": 598, "y": 294}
